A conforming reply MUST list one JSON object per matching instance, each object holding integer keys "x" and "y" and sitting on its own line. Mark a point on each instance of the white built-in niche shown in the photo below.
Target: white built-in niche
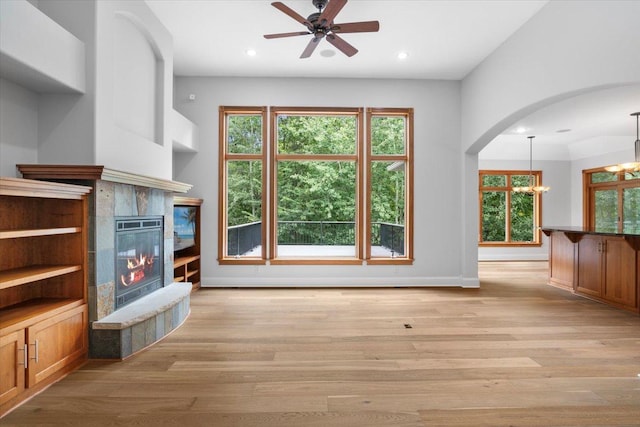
{"x": 138, "y": 80}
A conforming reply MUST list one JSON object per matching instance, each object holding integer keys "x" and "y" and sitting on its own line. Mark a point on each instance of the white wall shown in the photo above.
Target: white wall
{"x": 135, "y": 90}
{"x": 18, "y": 127}
{"x": 568, "y": 48}
{"x": 132, "y": 128}
{"x": 36, "y": 50}
{"x": 66, "y": 124}
{"x": 437, "y": 173}
{"x": 121, "y": 120}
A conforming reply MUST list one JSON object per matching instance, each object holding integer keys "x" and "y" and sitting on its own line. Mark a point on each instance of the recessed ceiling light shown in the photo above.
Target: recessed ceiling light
{"x": 521, "y": 129}
{"x": 251, "y": 52}
{"x": 403, "y": 55}
{"x": 563, "y": 130}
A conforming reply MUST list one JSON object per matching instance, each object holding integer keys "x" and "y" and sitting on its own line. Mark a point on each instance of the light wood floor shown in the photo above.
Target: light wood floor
{"x": 514, "y": 353}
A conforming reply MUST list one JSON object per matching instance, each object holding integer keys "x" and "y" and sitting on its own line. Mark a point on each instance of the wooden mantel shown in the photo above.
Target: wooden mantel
{"x": 95, "y": 173}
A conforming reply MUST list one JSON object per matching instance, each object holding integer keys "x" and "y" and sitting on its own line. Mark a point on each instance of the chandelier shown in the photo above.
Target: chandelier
{"x": 531, "y": 188}
{"x": 631, "y": 166}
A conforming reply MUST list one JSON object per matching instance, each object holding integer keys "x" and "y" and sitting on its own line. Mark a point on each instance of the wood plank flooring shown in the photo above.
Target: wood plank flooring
{"x": 515, "y": 352}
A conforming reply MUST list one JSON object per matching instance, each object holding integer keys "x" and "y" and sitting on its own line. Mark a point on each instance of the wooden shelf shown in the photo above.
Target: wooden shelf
{"x": 21, "y": 276}
{"x": 186, "y": 261}
{"x": 33, "y": 311}
{"x": 180, "y": 261}
{"x": 43, "y": 284}
{"x": 14, "y": 234}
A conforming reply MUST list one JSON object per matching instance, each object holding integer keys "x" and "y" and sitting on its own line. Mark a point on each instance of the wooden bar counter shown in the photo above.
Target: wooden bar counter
{"x": 604, "y": 266}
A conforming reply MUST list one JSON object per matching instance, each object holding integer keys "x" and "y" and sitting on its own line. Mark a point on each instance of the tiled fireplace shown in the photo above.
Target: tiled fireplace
{"x": 124, "y": 318}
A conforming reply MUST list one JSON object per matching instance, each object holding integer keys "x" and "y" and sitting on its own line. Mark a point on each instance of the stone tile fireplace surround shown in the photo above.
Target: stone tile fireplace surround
{"x": 119, "y": 333}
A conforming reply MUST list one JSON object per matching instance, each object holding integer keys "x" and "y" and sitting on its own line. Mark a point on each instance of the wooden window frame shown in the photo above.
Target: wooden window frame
{"x": 508, "y": 189}
{"x": 407, "y": 158}
{"x": 269, "y": 158}
{"x": 223, "y": 157}
{"x": 275, "y": 157}
{"x": 588, "y": 199}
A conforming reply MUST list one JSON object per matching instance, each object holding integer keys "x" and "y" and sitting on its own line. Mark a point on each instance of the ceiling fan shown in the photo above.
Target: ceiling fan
{"x": 320, "y": 25}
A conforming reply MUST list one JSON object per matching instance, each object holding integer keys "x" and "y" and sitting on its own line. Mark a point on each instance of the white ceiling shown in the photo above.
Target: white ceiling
{"x": 597, "y": 123}
{"x": 443, "y": 39}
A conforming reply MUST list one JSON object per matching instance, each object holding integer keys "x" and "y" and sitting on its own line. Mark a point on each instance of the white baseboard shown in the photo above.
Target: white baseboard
{"x": 329, "y": 282}
{"x": 513, "y": 257}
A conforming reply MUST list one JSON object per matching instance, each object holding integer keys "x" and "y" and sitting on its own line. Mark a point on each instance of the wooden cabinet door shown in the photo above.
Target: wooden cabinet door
{"x": 620, "y": 272}
{"x": 12, "y": 365}
{"x": 590, "y": 274}
{"x": 561, "y": 260}
{"x": 56, "y": 342}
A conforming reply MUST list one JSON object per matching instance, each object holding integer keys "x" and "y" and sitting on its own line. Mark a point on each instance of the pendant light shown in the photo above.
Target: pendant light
{"x": 531, "y": 188}
{"x": 631, "y": 166}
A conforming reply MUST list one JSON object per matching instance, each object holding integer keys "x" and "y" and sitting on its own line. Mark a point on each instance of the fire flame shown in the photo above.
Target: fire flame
{"x": 136, "y": 267}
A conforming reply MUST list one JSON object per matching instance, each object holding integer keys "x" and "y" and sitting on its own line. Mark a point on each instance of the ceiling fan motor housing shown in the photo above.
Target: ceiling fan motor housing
{"x": 313, "y": 18}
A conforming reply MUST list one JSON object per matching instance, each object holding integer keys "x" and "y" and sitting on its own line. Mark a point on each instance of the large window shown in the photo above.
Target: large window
{"x": 508, "y": 217}
{"x": 242, "y": 176}
{"x": 330, "y": 200}
{"x": 390, "y": 176}
{"x": 316, "y": 176}
{"x": 612, "y": 200}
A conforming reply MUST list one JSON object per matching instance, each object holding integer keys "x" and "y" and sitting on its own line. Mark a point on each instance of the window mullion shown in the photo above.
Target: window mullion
{"x": 620, "y": 209}
{"x": 508, "y": 217}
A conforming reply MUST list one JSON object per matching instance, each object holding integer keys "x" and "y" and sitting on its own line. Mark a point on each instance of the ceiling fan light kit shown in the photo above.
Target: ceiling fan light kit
{"x": 320, "y": 24}
{"x": 630, "y": 166}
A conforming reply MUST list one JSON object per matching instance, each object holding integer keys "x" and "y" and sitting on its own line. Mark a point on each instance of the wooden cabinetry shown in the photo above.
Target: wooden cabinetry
{"x": 590, "y": 266}
{"x": 607, "y": 270}
{"x": 561, "y": 250}
{"x": 620, "y": 273}
{"x": 43, "y": 301}
{"x": 186, "y": 261}
{"x": 603, "y": 267}
{"x": 14, "y": 357}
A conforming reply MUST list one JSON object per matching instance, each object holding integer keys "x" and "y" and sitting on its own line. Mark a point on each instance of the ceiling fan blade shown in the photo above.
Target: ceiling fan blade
{"x": 292, "y": 13}
{"x": 330, "y": 11}
{"x": 342, "y": 45}
{"x": 275, "y": 36}
{"x": 356, "y": 27}
{"x": 311, "y": 47}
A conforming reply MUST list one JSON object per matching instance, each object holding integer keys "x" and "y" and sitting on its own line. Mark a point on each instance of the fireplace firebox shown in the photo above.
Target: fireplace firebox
{"x": 139, "y": 258}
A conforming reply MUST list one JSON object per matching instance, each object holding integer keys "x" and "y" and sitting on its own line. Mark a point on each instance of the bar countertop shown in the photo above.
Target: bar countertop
{"x": 575, "y": 234}
{"x": 587, "y": 230}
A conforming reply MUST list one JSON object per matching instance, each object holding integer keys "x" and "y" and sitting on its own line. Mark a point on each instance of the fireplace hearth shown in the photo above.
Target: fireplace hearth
{"x": 139, "y": 258}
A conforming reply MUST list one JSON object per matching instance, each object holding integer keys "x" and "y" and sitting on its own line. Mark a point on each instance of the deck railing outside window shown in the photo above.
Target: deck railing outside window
{"x": 391, "y": 236}
{"x": 245, "y": 237}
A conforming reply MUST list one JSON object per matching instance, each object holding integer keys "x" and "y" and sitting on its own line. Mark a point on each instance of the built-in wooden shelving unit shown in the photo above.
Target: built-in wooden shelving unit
{"x": 186, "y": 262}
{"x": 43, "y": 287}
